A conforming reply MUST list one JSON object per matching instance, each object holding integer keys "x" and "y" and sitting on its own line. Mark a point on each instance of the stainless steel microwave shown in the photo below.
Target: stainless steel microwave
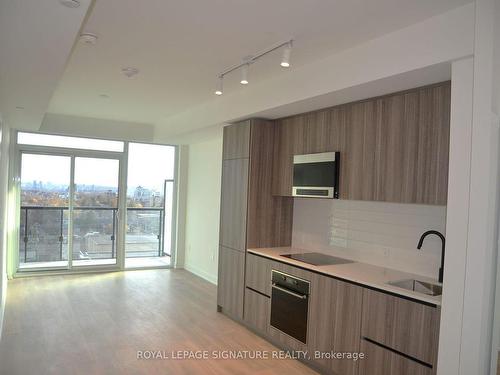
{"x": 316, "y": 175}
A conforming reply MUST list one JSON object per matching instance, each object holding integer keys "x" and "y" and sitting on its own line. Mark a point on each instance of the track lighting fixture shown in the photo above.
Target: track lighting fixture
{"x": 245, "y": 65}
{"x": 285, "y": 60}
{"x": 244, "y": 74}
{"x": 219, "y": 89}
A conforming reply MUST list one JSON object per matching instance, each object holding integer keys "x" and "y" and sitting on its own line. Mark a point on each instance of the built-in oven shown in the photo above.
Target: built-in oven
{"x": 290, "y": 305}
{"x": 316, "y": 175}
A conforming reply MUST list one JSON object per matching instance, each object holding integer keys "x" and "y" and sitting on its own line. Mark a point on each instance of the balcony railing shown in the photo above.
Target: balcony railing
{"x": 44, "y": 233}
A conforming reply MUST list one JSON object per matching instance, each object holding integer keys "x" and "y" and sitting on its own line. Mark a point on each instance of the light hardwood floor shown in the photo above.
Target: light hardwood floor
{"x": 95, "y": 324}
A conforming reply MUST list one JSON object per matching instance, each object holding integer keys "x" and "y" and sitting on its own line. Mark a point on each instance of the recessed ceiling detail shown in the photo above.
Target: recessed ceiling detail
{"x": 88, "y": 38}
{"x": 181, "y": 47}
{"x": 70, "y": 3}
{"x": 130, "y": 72}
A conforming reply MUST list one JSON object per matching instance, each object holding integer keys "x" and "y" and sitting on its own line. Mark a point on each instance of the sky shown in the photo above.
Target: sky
{"x": 149, "y": 166}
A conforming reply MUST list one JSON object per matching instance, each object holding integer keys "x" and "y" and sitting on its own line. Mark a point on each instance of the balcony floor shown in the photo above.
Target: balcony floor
{"x": 146, "y": 262}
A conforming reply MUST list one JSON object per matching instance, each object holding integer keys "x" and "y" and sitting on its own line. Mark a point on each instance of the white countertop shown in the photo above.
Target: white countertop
{"x": 361, "y": 273}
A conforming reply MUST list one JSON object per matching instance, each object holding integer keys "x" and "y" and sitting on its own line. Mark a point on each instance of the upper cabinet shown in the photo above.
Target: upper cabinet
{"x": 236, "y": 141}
{"x": 393, "y": 148}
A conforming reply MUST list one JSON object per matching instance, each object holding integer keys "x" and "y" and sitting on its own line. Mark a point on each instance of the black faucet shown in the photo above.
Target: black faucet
{"x": 443, "y": 240}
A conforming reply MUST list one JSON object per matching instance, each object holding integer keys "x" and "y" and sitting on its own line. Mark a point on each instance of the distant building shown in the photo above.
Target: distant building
{"x": 147, "y": 197}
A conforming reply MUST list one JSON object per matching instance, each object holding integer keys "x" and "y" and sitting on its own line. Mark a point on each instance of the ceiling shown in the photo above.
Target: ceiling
{"x": 36, "y": 38}
{"x": 180, "y": 47}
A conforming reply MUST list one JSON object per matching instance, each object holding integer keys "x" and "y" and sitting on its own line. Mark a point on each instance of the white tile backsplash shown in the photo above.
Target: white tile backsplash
{"x": 380, "y": 233}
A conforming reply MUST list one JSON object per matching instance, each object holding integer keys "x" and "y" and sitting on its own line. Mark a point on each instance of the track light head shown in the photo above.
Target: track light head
{"x": 244, "y": 74}
{"x": 219, "y": 90}
{"x": 285, "y": 61}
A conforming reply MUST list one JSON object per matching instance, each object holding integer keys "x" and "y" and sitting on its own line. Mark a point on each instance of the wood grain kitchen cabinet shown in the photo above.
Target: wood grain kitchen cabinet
{"x": 359, "y": 153}
{"x": 397, "y": 335}
{"x": 393, "y": 148}
{"x": 403, "y": 325}
{"x": 321, "y": 317}
{"x": 230, "y": 284}
{"x": 289, "y": 135}
{"x": 236, "y": 143}
{"x": 269, "y": 216}
{"x": 258, "y": 274}
{"x": 250, "y": 215}
{"x": 433, "y": 144}
{"x": 257, "y": 311}
{"x": 334, "y": 322}
{"x": 380, "y": 361}
{"x": 234, "y": 192}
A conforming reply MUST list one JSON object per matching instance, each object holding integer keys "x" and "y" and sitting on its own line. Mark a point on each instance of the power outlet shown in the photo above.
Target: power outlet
{"x": 386, "y": 253}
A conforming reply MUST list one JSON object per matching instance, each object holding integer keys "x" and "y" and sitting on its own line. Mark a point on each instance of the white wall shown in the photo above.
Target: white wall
{"x": 457, "y": 220}
{"x": 482, "y": 235}
{"x": 380, "y": 233}
{"x": 4, "y": 162}
{"x": 203, "y": 207}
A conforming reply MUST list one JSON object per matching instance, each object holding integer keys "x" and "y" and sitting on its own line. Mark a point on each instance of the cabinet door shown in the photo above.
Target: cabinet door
{"x": 408, "y": 327}
{"x": 347, "y": 309}
{"x": 335, "y": 322}
{"x": 289, "y": 142}
{"x": 359, "y": 156}
{"x": 380, "y": 361}
{"x": 321, "y": 318}
{"x": 257, "y": 311}
{"x": 258, "y": 274}
{"x": 236, "y": 141}
{"x": 433, "y": 144}
{"x": 234, "y": 204}
{"x": 230, "y": 285}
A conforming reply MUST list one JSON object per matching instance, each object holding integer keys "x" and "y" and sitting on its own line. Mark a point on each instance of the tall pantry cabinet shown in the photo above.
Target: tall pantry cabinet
{"x": 250, "y": 215}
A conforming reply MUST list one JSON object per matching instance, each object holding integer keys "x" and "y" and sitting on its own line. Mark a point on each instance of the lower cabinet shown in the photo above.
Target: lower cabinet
{"x": 334, "y": 324}
{"x": 258, "y": 273}
{"x": 257, "y": 311}
{"x": 406, "y": 326}
{"x": 380, "y": 361}
{"x": 231, "y": 282}
{"x": 393, "y": 335}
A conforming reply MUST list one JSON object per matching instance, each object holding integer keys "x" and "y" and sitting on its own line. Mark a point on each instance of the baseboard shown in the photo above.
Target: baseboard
{"x": 201, "y": 273}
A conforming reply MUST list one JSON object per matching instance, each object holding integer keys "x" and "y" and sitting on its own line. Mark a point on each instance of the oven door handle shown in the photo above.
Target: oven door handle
{"x": 301, "y": 296}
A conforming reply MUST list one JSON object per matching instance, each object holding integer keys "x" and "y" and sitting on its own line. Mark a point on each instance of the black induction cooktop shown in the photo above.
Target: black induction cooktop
{"x": 317, "y": 259}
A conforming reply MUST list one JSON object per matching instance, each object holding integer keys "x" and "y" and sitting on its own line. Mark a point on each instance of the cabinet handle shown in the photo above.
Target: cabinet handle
{"x": 301, "y": 296}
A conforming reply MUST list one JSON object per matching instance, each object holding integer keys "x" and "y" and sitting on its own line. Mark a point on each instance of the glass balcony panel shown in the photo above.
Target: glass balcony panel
{"x": 94, "y": 236}
{"x": 43, "y": 236}
{"x": 143, "y": 237}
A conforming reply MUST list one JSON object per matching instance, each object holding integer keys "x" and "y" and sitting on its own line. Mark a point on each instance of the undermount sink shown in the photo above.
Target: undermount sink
{"x": 419, "y": 286}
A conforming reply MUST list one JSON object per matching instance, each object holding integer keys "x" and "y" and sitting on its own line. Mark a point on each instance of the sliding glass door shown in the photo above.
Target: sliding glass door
{"x": 93, "y": 203}
{"x": 44, "y": 215}
{"x": 95, "y": 208}
{"x": 69, "y": 205}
